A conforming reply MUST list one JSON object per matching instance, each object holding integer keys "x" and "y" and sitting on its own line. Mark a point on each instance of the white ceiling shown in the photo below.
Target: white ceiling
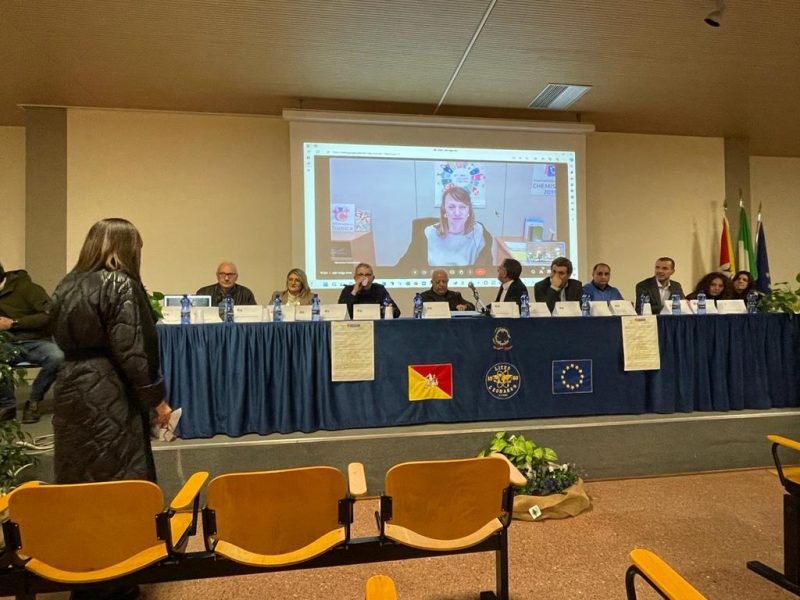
{"x": 655, "y": 67}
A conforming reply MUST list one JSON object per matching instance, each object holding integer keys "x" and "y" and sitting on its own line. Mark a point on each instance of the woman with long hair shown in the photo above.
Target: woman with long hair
{"x": 111, "y": 379}
{"x": 716, "y": 286}
{"x": 742, "y": 284}
{"x": 457, "y": 239}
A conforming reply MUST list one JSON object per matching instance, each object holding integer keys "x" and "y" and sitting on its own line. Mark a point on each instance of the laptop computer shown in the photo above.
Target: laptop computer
{"x": 175, "y": 300}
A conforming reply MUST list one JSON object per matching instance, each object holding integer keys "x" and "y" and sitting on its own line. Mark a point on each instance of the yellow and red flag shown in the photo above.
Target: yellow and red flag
{"x": 727, "y": 263}
{"x": 430, "y": 382}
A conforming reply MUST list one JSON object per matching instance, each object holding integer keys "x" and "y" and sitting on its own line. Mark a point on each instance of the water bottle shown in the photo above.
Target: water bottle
{"x": 186, "y": 310}
{"x": 701, "y": 303}
{"x": 643, "y": 299}
{"x": 276, "y": 309}
{"x": 418, "y": 306}
{"x": 227, "y": 309}
{"x": 524, "y": 307}
{"x": 585, "y": 306}
{"x": 752, "y": 302}
{"x": 676, "y": 304}
{"x": 315, "y": 307}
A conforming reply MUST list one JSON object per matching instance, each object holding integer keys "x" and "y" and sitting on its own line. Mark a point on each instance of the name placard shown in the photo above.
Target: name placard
{"x": 567, "y": 309}
{"x": 731, "y": 307}
{"x": 685, "y": 308}
{"x": 711, "y": 308}
{"x": 622, "y": 308}
{"x": 435, "y": 310}
{"x": 333, "y": 312}
{"x": 205, "y": 314}
{"x": 172, "y": 315}
{"x": 248, "y": 313}
{"x": 599, "y": 308}
{"x": 539, "y": 309}
{"x": 508, "y": 310}
{"x": 302, "y": 313}
{"x": 366, "y": 312}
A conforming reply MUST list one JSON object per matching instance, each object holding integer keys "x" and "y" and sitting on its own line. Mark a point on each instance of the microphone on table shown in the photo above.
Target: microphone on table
{"x": 477, "y": 297}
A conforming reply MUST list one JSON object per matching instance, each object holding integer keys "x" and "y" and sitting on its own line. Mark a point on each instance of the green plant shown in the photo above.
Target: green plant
{"x": 538, "y": 464}
{"x": 782, "y": 299}
{"x": 155, "y": 303}
{"x": 8, "y": 352}
{"x": 14, "y": 457}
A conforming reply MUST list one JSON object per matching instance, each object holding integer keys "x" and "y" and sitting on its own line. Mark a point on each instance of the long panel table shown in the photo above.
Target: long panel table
{"x": 262, "y": 378}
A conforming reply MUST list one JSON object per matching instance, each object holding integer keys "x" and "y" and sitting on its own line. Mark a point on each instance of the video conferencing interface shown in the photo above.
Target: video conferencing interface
{"x": 408, "y": 210}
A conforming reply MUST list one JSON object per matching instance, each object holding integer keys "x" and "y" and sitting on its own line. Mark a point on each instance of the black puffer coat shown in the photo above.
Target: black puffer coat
{"x": 110, "y": 380}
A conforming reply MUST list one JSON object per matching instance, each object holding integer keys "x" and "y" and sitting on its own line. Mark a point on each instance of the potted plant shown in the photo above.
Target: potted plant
{"x": 782, "y": 298}
{"x": 553, "y": 491}
{"x": 14, "y": 457}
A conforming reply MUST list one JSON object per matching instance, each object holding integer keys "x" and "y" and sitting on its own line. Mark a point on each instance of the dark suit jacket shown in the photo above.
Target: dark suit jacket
{"x": 376, "y": 294}
{"x": 542, "y": 292}
{"x": 650, "y": 287}
{"x": 515, "y": 291}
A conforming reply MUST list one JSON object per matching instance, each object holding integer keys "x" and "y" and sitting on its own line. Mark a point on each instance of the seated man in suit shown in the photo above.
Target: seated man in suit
{"x": 226, "y": 286}
{"x": 599, "y": 288}
{"x": 558, "y": 287}
{"x": 365, "y": 291}
{"x": 440, "y": 293}
{"x": 660, "y": 288}
{"x": 511, "y": 288}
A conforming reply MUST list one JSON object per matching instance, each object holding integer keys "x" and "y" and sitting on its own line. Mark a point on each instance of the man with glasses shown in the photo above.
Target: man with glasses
{"x": 365, "y": 291}
{"x": 226, "y": 286}
{"x": 440, "y": 293}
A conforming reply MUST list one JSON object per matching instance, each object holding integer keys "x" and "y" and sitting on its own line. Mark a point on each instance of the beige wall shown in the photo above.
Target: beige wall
{"x": 201, "y": 188}
{"x": 652, "y": 196}
{"x": 775, "y": 185}
{"x": 12, "y": 197}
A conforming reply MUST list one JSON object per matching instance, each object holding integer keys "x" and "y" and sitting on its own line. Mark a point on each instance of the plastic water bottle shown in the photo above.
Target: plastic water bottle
{"x": 524, "y": 307}
{"x": 643, "y": 299}
{"x": 227, "y": 309}
{"x": 315, "y": 307}
{"x": 186, "y": 310}
{"x": 418, "y": 306}
{"x": 701, "y": 303}
{"x": 585, "y": 306}
{"x": 277, "y": 313}
{"x": 676, "y": 304}
{"x": 752, "y": 302}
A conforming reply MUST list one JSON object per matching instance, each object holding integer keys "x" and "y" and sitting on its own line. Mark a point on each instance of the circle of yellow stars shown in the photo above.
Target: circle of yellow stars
{"x": 566, "y": 370}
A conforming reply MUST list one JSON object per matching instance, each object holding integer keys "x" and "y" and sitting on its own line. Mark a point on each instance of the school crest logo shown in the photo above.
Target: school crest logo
{"x": 501, "y": 340}
{"x": 503, "y": 380}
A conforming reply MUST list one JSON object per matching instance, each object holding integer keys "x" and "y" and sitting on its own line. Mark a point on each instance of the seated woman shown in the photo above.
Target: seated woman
{"x": 455, "y": 239}
{"x": 716, "y": 286}
{"x": 742, "y": 284}
{"x": 297, "y": 291}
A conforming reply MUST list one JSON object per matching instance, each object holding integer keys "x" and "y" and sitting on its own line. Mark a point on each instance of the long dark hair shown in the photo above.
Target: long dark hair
{"x": 705, "y": 283}
{"x": 112, "y": 244}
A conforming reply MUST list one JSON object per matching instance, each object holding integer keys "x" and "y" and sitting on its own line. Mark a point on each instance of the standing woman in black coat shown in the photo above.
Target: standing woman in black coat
{"x": 111, "y": 377}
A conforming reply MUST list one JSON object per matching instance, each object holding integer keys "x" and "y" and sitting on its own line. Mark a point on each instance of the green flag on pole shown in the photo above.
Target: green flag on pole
{"x": 745, "y": 257}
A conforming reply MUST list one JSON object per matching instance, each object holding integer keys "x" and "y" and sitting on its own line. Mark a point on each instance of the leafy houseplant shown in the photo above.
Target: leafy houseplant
{"x": 13, "y": 454}
{"x": 155, "y": 303}
{"x": 782, "y": 299}
{"x": 538, "y": 464}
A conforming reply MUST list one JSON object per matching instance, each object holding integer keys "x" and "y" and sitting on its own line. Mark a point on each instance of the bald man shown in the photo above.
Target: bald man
{"x": 226, "y": 286}
{"x": 440, "y": 293}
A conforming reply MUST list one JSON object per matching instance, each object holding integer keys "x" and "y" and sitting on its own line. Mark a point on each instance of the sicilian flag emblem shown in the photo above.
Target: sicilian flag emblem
{"x": 430, "y": 382}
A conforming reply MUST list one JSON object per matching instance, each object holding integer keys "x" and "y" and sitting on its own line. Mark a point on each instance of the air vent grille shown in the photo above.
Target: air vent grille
{"x": 558, "y": 96}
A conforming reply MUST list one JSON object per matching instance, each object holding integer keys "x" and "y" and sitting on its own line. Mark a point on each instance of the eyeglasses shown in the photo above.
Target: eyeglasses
{"x": 364, "y": 274}
{"x": 227, "y": 274}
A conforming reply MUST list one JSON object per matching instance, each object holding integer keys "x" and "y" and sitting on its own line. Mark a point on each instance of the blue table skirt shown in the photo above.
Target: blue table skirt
{"x": 262, "y": 378}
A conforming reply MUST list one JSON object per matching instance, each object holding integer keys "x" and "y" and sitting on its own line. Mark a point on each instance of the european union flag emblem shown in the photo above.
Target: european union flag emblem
{"x": 572, "y": 376}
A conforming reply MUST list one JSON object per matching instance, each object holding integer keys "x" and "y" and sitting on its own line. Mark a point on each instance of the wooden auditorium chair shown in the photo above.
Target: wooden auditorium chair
{"x": 68, "y": 536}
{"x": 280, "y": 518}
{"x": 452, "y": 505}
{"x": 380, "y": 587}
{"x": 790, "y": 480}
{"x": 661, "y": 577}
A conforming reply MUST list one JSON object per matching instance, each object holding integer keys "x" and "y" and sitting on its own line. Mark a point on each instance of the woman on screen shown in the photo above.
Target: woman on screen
{"x": 454, "y": 239}
{"x": 297, "y": 292}
{"x": 716, "y": 286}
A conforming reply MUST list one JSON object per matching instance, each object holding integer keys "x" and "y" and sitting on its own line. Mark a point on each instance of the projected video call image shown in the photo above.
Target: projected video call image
{"x": 408, "y": 216}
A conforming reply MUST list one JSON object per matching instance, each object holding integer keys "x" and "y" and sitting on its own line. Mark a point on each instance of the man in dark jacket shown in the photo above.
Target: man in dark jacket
{"x": 226, "y": 285}
{"x": 558, "y": 287}
{"x": 440, "y": 293}
{"x": 511, "y": 286}
{"x": 25, "y": 314}
{"x": 660, "y": 287}
{"x": 366, "y": 291}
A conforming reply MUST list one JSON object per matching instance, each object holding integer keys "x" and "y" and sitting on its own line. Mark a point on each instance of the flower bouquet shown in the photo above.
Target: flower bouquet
{"x": 553, "y": 491}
